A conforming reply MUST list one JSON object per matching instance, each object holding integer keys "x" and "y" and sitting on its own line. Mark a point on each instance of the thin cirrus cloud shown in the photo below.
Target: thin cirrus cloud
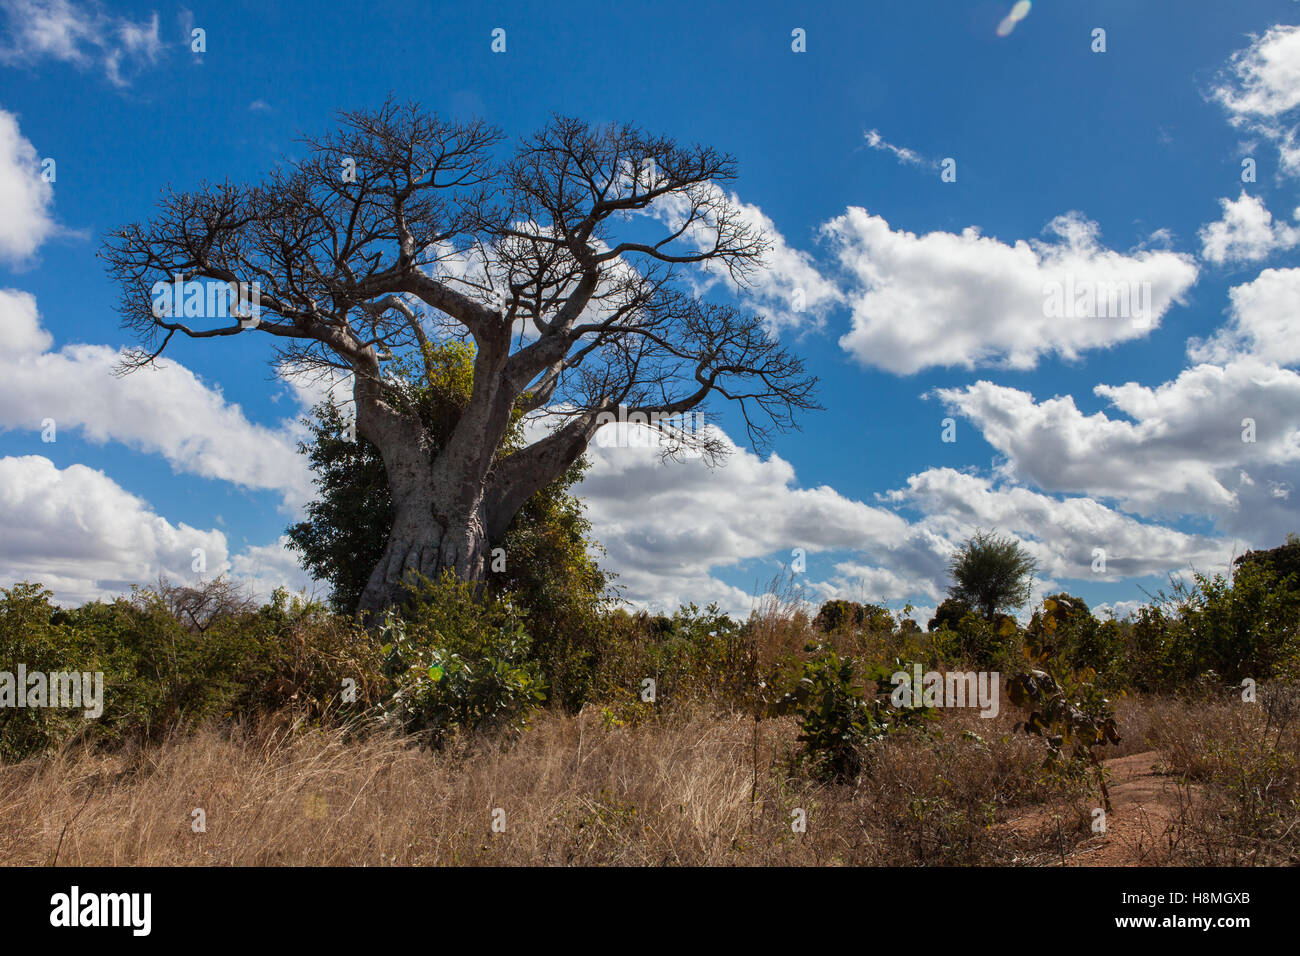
{"x": 904, "y": 155}
{"x": 80, "y": 34}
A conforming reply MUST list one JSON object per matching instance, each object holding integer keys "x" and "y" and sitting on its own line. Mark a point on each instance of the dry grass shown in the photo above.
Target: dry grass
{"x": 673, "y": 790}
{"x": 685, "y": 788}
{"x": 1243, "y": 765}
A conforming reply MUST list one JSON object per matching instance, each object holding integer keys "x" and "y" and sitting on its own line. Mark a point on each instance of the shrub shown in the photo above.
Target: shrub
{"x": 1246, "y": 626}
{"x": 164, "y": 667}
{"x": 697, "y": 653}
{"x": 322, "y": 665}
{"x": 837, "y": 716}
{"x": 29, "y": 636}
{"x": 1065, "y": 630}
{"x": 1223, "y": 628}
{"x": 459, "y": 661}
{"x": 835, "y": 616}
{"x": 1070, "y": 712}
{"x": 1155, "y": 653}
{"x": 1283, "y": 561}
{"x": 985, "y": 644}
{"x": 949, "y": 614}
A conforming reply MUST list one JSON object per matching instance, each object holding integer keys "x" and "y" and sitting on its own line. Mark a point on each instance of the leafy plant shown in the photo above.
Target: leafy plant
{"x": 836, "y": 717}
{"x": 31, "y": 638}
{"x": 459, "y": 661}
{"x": 1065, "y": 629}
{"x": 1070, "y": 713}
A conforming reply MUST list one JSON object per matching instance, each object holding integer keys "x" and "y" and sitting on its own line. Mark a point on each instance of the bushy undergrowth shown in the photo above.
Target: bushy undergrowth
{"x": 159, "y": 673}
{"x": 458, "y": 660}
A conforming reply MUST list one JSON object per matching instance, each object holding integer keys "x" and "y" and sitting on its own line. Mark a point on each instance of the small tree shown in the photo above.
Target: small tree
{"x": 199, "y": 607}
{"x": 991, "y": 574}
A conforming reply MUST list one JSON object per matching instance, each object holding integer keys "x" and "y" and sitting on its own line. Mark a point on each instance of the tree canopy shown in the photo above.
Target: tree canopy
{"x": 560, "y": 262}
{"x": 991, "y": 573}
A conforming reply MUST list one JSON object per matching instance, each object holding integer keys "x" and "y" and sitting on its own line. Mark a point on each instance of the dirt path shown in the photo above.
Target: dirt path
{"x": 1144, "y": 803}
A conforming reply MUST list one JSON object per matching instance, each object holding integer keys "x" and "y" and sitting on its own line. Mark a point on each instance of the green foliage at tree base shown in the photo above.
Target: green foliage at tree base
{"x": 458, "y": 661}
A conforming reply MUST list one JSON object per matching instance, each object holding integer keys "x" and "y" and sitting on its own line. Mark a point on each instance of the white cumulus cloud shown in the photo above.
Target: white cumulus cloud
{"x": 968, "y": 300}
{"x": 1265, "y": 322}
{"x": 25, "y": 196}
{"x": 166, "y": 410}
{"x": 1246, "y": 233}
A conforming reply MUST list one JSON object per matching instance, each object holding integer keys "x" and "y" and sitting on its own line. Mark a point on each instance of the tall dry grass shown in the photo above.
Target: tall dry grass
{"x": 679, "y": 789}
{"x": 1242, "y": 767}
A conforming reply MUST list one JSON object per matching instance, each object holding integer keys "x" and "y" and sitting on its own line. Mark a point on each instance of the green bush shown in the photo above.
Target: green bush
{"x": 839, "y": 713}
{"x": 323, "y": 665}
{"x": 949, "y": 614}
{"x": 30, "y": 637}
{"x": 1218, "y": 627}
{"x": 1070, "y": 712}
{"x": 1064, "y": 629}
{"x": 1246, "y": 626}
{"x": 458, "y": 660}
{"x": 838, "y": 616}
{"x": 696, "y": 654}
{"x": 161, "y": 671}
{"x": 981, "y": 643}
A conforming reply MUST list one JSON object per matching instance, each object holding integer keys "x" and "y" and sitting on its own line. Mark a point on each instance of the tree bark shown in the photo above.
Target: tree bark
{"x": 427, "y": 538}
{"x": 439, "y": 515}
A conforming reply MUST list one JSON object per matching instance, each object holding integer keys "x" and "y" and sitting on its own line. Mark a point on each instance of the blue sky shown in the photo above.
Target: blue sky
{"x": 925, "y": 296}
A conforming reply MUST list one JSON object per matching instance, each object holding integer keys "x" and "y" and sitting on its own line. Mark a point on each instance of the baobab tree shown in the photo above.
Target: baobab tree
{"x": 559, "y": 261}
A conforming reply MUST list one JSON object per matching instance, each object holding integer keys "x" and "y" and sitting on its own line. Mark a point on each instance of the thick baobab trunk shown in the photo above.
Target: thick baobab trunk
{"x": 427, "y": 538}
{"x": 450, "y": 502}
{"x": 439, "y": 518}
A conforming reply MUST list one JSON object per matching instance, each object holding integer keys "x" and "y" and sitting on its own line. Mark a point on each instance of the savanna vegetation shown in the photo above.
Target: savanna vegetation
{"x": 610, "y": 736}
